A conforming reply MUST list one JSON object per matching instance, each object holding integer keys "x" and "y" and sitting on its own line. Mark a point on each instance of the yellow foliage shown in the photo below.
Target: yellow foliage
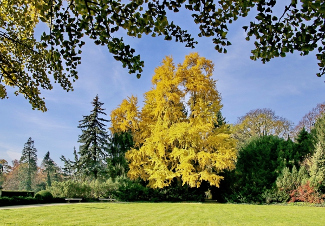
{"x": 125, "y": 118}
{"x": 175, "y": 132}
{"x": 23, "y": 58}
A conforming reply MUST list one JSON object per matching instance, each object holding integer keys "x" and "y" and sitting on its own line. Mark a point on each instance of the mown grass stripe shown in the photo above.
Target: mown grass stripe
{"x": 163, "y": 214}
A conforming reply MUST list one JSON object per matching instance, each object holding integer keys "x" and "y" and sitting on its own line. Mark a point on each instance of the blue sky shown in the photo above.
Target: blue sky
{"x": 289, "y": 86}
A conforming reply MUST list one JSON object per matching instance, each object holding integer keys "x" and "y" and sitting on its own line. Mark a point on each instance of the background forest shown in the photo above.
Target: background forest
{"x": 179, "y": 146}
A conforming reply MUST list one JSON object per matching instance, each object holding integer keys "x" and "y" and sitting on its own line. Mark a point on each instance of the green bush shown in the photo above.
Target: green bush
{"x": 17, "y": 200}
{"x": 275, "y": 196}
{"x": 86, "y": 190}
{"x": 44, "y": 195}
{"x": 102, "y": 189}
{"x": 70, "y": 189}
{"x": 20, "y": 200}
{"x": 123, "y": 189}
{"x": 17, "y": 193}
{"x": 129, "y": 190}
{"x": 286, "y": 182}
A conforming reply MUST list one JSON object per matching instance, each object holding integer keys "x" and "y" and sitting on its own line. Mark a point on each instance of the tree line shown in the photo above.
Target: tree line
{"x": 24, "y": 174}
{"x": 180, "y": 140}
{"x": 100, "y": 156}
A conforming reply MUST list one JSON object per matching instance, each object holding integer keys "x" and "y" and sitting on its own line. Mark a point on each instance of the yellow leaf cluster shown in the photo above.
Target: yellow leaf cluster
{"x": 175, "y": 133}
{"x": 125, "y": 117}
{"x": 21, "y": 52}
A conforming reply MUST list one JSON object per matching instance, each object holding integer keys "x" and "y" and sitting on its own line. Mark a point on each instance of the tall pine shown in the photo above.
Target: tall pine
{"x": 29, "y": 161}
{"x": 93, "y": 150}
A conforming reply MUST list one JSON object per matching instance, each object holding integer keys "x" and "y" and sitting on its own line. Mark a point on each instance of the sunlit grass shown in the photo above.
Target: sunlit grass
{"x": 163, "y": 214}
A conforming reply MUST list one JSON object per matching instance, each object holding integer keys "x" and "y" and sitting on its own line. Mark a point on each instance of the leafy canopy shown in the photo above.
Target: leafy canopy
{"x": 26, "y": 61}
{"x": 175, "y": 133}
{"x": 261, "y": 122}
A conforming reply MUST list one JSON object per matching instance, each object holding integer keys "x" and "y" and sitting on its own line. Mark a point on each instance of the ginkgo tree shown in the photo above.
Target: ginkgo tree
{"x": 176, "y": 133}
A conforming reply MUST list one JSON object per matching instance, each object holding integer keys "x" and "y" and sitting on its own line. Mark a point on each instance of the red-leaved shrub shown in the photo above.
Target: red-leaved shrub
{"x": 306, "y": 193}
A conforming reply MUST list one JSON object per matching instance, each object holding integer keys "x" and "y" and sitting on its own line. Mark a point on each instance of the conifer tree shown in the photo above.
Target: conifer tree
{"x": 119, "y": 144}
{"x": 317, "y": 169}
{"x": 49, "y": 168}
{"x": 304, "y": 145}
{"x": 93, "y": 150}
{"x": 71, "y": 168}
{"x": 318, "y": 132}
{"x": 29, "y": 161}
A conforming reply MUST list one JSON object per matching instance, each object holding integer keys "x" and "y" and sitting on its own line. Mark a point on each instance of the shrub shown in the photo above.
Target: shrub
{"x": 123, "y": 189}
{"x": 17, "y": 200}
{"x": 18, "y": 193}
{"x": 275, "y": 195}
{"x": 70, "y": 189}
{"x": 102, "y": 189}
{"x": 76, "y": 189}
{"x": 129, "y": 190}
{"x": 286, "y": 182}
{"x": 44, "y": 195}
{"x": 307, "y": 193}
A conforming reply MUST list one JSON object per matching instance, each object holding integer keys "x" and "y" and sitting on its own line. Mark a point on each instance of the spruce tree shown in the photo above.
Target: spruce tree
{"x": 220, "y": 120}
{"x": 71, "y": 168}
{"x": 29, "y": 159}
{"x": 49, "y": 168}
{"x": 119, "y": 144}
{"x": 93, "y": 150}
{"x": 304, "y": 145}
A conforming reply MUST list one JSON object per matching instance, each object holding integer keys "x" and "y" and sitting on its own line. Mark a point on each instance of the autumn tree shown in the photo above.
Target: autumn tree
{"x": 5, "y": 169}
{"x": 93, "y": 148}
{"x": 13, "y": 178}
{"x": 308, "y": 120}
{"x": 28, "y": 160}
{"x": 26, "y": 60}
{"x": 261, "y": 122}
{"x": 170, "y": 144}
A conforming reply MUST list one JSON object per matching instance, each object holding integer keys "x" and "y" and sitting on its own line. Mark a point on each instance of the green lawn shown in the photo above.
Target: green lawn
{"x": 163, "y": 214}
